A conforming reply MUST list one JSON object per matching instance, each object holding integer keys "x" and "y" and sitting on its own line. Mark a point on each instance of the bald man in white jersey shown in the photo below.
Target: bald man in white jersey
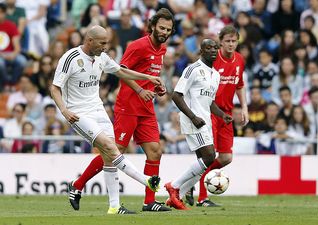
{"x": 75, "y": 90}
{"x": 194, "y": 95}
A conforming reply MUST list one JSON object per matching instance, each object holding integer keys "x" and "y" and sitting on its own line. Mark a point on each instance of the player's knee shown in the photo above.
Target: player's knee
{"x": 208, "y": 158}
{"x": 225, "y": 160}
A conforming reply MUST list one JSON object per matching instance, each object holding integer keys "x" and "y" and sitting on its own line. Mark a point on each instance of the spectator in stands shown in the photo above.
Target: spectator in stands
{"x": 301, "y": 59}
{"x": 93, "y": 15}
{"x": 312, "y": 110}
{"x": 250, "y": 33}
{"x": 276, "y": 142}
{"x": 286, "y": 17}
{"x": 55, "y": 128}
{"x": 176, "y": 142}
{"x": 247, "y": 53}
{"x": 313, "y": 82}
{"x": 168, "y": 69}
{"x": 310, "y": 24}
{"x": 45, "y": 73}
{"x": 264, "y": 72}
{"x": 271, "y": 112}
{"x": 163, "y": 107}
{"x": 78, "y": 9}
{"x": 287, "y": 106}
{"x": 288, "y": 77}
{"x": 225, "y": 13}
{"x": 237, "y": 121}
{"x": 126, "y": 31}
{"x": 49, "y": 114}
{"x": 38, "y": 37}
{"x": 26, "y": 146}
{"x": 115, "y": 8}
{"x": 300, "y": 126}
{"x": 114, "y": 43}
{"x": 27, "y": 91}
{"x": 13, "y": 126}
{"x": 17, "y": 15}
{"x": 287, "y": 45}
{"x": 257, "y": 107}
{"x": 57, "y": 49}
{"x": 308, "y": 39}
{"x": 262, "y": 18}
{"x": 12, "y": 62}
{"x": 313, "y": 10}
{"x": 74, "y": 39}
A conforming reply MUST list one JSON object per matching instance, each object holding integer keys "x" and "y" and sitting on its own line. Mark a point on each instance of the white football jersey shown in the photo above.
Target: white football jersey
{"x": 78, "y": 75}
{"x": 198, "y": 84}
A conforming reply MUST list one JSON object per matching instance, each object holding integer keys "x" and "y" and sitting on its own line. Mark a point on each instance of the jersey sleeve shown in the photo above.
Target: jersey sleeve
{"x": 241, "y": 67}
{"x": 61, "y": 73}
{"x": 217, "y": 85}
{"x": 130, "y": 57}
{"x": 109, "y": 65}
{"x": 185, "y": 81}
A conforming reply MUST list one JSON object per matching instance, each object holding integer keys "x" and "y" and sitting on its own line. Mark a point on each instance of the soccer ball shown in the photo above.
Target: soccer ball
{"x": 216, "y": 181}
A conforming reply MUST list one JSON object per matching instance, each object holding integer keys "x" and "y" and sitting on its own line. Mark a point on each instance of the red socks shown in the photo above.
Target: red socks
{"x": 151, "y": 168}
{"x": 93, "y": 168}
{"x": 203, "y": 193}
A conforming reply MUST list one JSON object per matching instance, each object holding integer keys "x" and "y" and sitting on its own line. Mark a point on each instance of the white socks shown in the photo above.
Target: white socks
{"x": 128, "y": 168}
{"x": 112, "y": 185}
{"x": 197, "y": 168}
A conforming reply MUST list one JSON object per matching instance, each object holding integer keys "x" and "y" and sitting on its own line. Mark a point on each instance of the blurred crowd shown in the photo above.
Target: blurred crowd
{"x": 278, "y": 40}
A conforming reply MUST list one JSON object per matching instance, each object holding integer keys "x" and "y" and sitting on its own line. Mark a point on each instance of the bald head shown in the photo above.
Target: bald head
{"x": 96, "y": 32}
{"x": 206, "y": 42}
{"x": 96, "y": 40}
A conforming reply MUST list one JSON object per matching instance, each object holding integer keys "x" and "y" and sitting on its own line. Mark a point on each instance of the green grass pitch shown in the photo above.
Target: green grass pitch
{"x": 261, "y": 210}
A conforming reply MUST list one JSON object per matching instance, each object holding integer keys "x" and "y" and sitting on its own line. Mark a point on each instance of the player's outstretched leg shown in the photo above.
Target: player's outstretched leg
{"x": 74, "y": 196}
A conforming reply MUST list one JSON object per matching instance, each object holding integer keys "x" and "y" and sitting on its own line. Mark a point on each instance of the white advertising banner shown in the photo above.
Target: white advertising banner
{"x": 249, "y": 174}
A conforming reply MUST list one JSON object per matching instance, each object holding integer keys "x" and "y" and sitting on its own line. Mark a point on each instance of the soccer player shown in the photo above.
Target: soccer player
{"x": 75, "y": 90}
{"x": 134, "y": 110}
{"x": 230, "y": 65}
{"x": 194, "y": 95}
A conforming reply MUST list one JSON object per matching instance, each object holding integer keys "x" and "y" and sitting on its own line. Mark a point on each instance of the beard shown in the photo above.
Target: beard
{"x": 159, "y": 38}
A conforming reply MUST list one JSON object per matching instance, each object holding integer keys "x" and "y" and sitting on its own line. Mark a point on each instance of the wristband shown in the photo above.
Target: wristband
{"x": 139, "y": 90}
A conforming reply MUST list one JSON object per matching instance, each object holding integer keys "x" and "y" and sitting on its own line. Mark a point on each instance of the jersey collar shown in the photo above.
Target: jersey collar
{"x": 205, "y": 66}
{"x": 152, "y": 45}
{"x": 224, "y": 59}
{"x": 89, "y": 58}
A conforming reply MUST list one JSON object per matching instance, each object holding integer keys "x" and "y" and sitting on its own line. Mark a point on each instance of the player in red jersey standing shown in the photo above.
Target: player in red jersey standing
{"x": 230, "y": 65}
{"x": 134, "y": 110}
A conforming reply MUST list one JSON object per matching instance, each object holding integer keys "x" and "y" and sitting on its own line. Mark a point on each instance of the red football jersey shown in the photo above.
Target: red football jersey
{"x": 231, "y": 78}
{"x": 142, "y": 56}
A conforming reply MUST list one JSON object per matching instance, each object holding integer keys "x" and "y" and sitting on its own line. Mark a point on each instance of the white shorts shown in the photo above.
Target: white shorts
{"x": 92, "y": 124}
{"x": 199, "y": 140}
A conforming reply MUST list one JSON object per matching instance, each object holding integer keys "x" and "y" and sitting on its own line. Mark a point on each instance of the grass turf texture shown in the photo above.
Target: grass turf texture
{"x": 261, "y": 210}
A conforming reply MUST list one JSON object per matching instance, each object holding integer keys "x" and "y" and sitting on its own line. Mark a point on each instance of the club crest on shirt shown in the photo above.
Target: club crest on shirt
{"x": 80, "y": 62}
{"x": 221, "y": 70}
{"x": 152, "y": 57}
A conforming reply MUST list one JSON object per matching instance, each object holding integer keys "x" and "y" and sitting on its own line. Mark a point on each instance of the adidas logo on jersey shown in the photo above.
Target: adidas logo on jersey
{"x": 83, "y": 70}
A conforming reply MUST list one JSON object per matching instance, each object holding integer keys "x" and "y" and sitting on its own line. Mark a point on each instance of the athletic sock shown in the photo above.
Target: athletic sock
{"x": 151, "y": 168}
{"x": 92, "y": 169}
{"x": 128, "y": 168}
{"x": 195, "y": 169}
{"x": 203, "y": 193}
{"x": 188, "y": 185}
{"x": 112, "y": 185}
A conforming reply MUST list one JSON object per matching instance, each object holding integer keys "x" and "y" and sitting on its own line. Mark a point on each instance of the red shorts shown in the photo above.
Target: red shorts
{"x": 142, "y": 128}
{"x": 222, "y": 134}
